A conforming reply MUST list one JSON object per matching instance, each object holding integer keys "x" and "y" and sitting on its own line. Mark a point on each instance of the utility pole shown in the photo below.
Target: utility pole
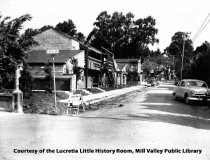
{"x": 53, "y": 53}
{"x": 54, "y": 84}
{"x": 183, "y": 48}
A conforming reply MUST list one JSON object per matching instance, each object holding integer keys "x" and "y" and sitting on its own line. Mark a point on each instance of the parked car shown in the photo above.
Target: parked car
{"x": 152, "y": 81}
{"x": 192, "y": 89}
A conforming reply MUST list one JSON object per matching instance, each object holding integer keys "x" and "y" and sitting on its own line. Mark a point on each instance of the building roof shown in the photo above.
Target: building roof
{"x": 127, "y": 60}
{"x": 121, "y": 66}
{"x": 82, "y": 44}
{"x": 85, "y": 46}
{"x": 40, "y": 56}
{"x": 60, "y": 33}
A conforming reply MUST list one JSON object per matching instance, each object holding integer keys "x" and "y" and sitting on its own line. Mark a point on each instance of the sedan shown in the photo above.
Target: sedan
{"x": 191, "y": 89}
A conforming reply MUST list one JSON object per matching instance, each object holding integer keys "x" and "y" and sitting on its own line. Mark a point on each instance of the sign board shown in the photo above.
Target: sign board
{"x": 52, "y": 51}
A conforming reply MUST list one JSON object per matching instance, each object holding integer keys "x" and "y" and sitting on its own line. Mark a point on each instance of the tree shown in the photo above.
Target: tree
{"x": 26, "y": 82}
{"x": 122, "y": 35}
{"x": 203, "y": 49}
{"x": 175, "y": 50}
{"x": 26, "y": 39}
{"x": 201, "y": 65}
{"x": 149, "y": 66}
{"x": 12, "y": 46}
{"x": 100, "y": 31}
{"x": 80, "y": 36}
{"x": 46, "y": 27}
{"x": 176, "y": 46}
{"x": 67, "y": 27}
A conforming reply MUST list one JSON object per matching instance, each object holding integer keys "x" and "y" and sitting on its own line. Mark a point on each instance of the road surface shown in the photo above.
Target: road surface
{"x": 151, "y": 125}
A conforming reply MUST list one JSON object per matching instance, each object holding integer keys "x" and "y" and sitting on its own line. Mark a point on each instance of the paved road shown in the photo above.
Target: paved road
{"x": 152, "y": 120}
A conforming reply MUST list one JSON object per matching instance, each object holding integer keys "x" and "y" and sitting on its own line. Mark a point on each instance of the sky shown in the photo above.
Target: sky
{"x": 171, "y": 15}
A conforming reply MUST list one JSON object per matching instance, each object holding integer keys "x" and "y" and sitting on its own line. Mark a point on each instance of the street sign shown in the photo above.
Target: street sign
{"x": 53, "y": 51}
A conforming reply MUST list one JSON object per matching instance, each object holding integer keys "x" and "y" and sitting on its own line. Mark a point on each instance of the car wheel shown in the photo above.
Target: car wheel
{"x": 175, "y": 97}
{"x": 187, "y": 101}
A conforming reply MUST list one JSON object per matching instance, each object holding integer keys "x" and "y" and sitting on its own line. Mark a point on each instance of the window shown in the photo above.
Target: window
{"x": 191, "y": 83}
{"x": 201, "y": 84}
{"x": 196, "y": 84}
{"x": 182, "y": 83}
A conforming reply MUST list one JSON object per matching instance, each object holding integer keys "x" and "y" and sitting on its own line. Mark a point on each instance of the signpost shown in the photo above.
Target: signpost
{"x": 53, "y": 54}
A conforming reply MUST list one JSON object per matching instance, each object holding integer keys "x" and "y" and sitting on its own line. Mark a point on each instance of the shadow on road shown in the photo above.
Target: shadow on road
{"x": 185, "y": 120}
{"x": 161, "y": 107}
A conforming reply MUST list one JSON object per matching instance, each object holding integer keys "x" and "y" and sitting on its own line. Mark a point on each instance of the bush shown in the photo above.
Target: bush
{"x": 43, "y": 103}
{"x": 26, "y": 82}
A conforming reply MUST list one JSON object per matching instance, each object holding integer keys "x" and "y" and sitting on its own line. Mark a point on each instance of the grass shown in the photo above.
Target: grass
{"x": 43, "y": 103}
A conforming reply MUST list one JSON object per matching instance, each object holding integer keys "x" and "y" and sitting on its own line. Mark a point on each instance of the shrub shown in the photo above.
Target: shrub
{"x": 43, "y": 103}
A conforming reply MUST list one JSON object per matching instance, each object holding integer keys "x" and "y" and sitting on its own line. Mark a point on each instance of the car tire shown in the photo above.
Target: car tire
{"x": 187, "y": 101}
{"x": 175, "y": 97}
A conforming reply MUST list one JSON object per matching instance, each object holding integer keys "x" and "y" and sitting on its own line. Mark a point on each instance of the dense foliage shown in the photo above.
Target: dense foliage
{"x": 69, "y": 28}
{"x": 13, "y": 47}
{"x": 43, "y": 103}
{"x": 201, "y": 65}
{"x": 175, "y": 50}
{"x": 122, "y": 35}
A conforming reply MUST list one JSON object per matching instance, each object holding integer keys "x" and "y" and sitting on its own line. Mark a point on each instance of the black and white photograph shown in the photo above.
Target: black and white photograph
{"x": 104, "y": 80}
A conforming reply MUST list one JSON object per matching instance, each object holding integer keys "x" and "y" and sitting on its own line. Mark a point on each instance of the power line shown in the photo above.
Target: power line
{"x": 201, "y": 28}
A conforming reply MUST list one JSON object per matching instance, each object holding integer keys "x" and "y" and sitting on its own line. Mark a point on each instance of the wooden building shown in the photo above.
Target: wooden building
{"x": 75, "y": 58}
{"x": 129, "y": 71}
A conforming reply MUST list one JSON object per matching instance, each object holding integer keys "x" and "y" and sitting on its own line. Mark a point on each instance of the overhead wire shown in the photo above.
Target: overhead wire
{"x": 202, "y": 27}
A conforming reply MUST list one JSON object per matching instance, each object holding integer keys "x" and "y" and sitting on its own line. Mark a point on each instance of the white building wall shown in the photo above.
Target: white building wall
{"x": 50, "y": 40}
{"x": 80, "y": 59}
{"x": 75, "y": 45}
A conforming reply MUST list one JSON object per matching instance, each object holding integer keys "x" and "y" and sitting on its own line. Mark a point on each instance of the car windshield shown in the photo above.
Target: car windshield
{"x": 196, "y": 84}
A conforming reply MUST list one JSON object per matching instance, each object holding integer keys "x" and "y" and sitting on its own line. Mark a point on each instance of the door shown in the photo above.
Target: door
{"x": 180, "y": 89}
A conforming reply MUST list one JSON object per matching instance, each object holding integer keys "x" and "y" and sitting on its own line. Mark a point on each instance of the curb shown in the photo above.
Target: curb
{"x": 109, "y": 94}
{"x": 90, "y": 102}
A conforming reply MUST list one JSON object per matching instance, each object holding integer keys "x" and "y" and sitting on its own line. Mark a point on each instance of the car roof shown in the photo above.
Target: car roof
{"x": 192, "y": 80}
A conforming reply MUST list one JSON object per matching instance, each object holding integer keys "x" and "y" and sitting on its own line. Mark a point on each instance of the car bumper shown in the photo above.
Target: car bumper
{"x": 199, "y": 98}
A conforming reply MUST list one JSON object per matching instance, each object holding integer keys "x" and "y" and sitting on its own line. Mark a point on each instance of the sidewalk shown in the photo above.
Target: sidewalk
{"x": 94, "y": 98}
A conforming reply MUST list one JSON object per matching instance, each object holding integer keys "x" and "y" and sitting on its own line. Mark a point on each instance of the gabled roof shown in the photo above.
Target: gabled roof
{"x": 60, "y": 33}
{"x": 69, "y": 37}
{"x": 40, "y": 56}
{"x": 121, "y": 66}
